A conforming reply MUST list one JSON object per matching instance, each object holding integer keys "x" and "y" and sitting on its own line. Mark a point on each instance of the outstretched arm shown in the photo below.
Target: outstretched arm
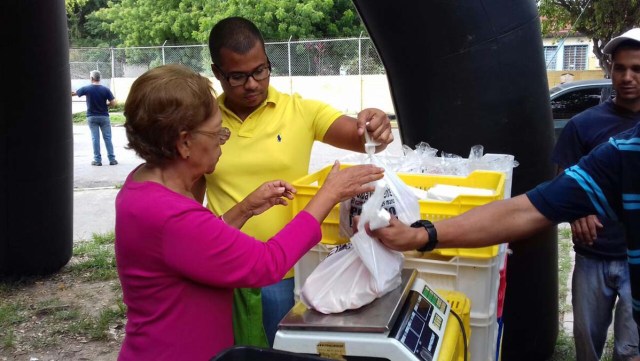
{"x": 496, "y": 222}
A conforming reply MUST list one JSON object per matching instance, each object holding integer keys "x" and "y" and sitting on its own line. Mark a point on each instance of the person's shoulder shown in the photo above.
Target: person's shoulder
{"x": 593, "y": 112}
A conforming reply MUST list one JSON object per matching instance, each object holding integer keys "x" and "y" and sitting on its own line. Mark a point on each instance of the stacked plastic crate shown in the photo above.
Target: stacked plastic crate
{"x": 473, "y": 272}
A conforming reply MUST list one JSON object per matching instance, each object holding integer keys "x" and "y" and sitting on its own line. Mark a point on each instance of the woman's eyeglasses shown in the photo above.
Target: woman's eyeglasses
{"x": 223, "y": 135}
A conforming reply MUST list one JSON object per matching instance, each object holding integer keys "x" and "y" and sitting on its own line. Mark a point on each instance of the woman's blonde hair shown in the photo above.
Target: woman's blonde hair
{"x": 163, "y": 102}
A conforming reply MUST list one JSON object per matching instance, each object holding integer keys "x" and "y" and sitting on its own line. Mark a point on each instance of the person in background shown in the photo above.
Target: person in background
{"x": 99, "y": 99}
{"x": 606, "y": 183}
{"x": 177, "y": 262}
{"x": 272, "y": 134}
{"x": 601, "y": 274}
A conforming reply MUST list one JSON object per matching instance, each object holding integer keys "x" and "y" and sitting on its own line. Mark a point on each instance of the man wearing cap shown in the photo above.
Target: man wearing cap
{"x": 606, "y": 182}
{"x": 99, "y": 99}
{"x": 601, "y": 274}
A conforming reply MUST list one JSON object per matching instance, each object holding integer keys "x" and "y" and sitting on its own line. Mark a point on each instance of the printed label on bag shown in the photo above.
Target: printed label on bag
{"x": 339, "y": 248}
{"x": 332, "y": 350}
{"x": 389, "y": 203}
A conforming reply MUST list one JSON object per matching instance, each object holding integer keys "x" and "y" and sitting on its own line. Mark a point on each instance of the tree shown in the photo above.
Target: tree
{"x": 152, "y": 22}
{"x": 599, "y": 20}
{"x": 83, "y": 31}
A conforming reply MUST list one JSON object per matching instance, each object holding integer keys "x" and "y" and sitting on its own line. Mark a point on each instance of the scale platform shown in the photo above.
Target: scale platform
{"x": 408, "y": 323}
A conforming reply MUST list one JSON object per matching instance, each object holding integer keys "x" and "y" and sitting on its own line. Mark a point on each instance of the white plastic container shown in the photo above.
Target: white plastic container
{"x": 477, "y": 278}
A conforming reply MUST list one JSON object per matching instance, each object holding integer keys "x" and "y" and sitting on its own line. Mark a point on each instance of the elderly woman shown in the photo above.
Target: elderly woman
{"x": 177, "y": 262}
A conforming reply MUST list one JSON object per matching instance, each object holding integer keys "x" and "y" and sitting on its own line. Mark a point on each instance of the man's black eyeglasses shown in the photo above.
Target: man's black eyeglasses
{"x": 240, "y": 79}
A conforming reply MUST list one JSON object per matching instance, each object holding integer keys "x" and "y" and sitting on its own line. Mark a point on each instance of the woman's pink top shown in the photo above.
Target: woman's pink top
{"x": 178, "y": 265}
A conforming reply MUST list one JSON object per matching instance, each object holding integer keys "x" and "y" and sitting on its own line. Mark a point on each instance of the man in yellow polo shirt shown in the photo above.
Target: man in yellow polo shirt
{"x": 272, "y": 134}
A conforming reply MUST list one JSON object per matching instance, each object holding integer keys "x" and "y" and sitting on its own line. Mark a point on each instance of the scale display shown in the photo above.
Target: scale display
{"x": 422, "y": 324}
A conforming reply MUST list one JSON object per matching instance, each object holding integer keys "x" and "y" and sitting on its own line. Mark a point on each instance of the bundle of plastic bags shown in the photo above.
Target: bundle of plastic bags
{"x": 356, "y": 273}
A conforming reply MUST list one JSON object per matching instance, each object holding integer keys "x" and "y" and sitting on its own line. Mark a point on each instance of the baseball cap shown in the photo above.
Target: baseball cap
{"x": 633, "y": 34}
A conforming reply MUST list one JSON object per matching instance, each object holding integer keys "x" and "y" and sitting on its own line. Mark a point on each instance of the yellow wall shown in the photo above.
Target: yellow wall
{"x": 554, "y": 77}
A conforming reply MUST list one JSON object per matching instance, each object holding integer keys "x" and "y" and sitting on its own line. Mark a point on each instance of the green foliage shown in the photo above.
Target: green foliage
{"x": 599, "y": 20}
{"x": 152, "y": 22}
{"x": 565, "y": 348}
{"x": 83, "y": 30}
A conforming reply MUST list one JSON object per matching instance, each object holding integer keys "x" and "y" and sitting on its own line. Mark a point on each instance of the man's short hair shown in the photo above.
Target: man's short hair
{"x": 236, "y": 34}
{"x": 95, "y": 75}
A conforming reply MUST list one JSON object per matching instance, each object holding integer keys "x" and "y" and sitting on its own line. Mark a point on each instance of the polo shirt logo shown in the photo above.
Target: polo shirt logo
{"x": 279, "y": 138}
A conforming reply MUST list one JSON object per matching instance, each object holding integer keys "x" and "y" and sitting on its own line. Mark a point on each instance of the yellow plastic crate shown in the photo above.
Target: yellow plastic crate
{"x": 453, "y": 340}
{"x": 432, "y": 210}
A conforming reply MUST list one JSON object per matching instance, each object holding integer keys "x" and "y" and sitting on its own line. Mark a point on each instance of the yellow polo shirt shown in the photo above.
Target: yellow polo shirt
{"x": 274, "y": 142}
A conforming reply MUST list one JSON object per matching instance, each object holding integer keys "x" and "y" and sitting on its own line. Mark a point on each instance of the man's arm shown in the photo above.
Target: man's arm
{"x": 348, "y": 133}
{"x": 494, "y": 223}
{"x": 584, "y": 230}
{"x": 111, "y": 103}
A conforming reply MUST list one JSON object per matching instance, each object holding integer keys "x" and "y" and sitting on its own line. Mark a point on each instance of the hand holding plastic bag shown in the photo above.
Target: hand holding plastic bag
{"x": 384, "y": 265}
{"x": 357, "y": 273}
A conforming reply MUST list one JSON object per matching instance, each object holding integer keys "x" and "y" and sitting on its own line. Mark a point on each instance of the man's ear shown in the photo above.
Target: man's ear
{"x": 215, "y": 71}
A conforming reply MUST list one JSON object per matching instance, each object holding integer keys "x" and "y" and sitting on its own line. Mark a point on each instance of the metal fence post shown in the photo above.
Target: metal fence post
{"x": 289, "y": 61}
{"x": 113, "y": 71}
{"x": 360, "y": 69}
{"x": 163, "y": 44}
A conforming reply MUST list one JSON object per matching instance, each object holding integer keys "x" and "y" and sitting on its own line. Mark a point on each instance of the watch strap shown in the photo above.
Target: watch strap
{"x": 431, "y": 231}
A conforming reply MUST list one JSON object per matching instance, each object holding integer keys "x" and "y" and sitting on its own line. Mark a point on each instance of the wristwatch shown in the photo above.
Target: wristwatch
{"x": 433, "y": 235}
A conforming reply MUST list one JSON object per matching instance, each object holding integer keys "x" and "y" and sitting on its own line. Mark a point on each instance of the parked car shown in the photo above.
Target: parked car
{"x": 571, "y": 98}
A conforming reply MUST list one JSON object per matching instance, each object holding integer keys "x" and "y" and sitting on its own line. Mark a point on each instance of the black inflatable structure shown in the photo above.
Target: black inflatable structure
{"x": 36, "y": 140}
{"x": 472, "y": 72}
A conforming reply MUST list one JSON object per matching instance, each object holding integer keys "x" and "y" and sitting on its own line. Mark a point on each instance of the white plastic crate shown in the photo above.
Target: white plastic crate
{"x": 484, "y": 336}
{"x": 477, "y": 278}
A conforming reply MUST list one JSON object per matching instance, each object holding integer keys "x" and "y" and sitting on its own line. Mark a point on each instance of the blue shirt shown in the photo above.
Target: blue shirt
{"x": 97, "y": 96}
{"x": 580, "y": 136}
{"x": 607, "y": 183}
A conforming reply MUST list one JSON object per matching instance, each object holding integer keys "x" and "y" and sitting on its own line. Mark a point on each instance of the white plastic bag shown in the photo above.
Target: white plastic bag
{"x": 340, "y": 282}
{"x": 384, "y": 264}
{"x": 399, "y": 200}
{"x": 356, "y": 273}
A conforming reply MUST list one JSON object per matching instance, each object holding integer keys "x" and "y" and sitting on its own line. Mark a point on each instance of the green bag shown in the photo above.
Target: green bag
{"x": 247, "y": 318}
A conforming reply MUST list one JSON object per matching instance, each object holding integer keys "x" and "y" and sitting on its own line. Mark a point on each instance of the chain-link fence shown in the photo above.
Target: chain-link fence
{"x": 346, "y": 73}
{"x": 352, "y": 56}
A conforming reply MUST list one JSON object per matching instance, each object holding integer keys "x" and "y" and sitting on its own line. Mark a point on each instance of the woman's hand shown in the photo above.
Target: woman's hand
{"x": 264, "y": 197}
{"x": 343, "y": 184}
{"x": 268, "y": 195}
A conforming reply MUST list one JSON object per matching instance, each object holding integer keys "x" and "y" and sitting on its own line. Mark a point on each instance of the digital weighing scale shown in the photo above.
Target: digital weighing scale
{"x": 408, "y": 323}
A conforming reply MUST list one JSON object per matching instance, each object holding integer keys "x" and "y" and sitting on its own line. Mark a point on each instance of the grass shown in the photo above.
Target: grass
{"x": 115, "y": 115}
{"x": 95, "y": 259}
{"x": 565, "y": 348}
{"x": 37, "y": 320}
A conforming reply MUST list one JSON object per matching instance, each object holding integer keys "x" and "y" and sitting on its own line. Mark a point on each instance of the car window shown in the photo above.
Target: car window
{"x": 569, "y": 104}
